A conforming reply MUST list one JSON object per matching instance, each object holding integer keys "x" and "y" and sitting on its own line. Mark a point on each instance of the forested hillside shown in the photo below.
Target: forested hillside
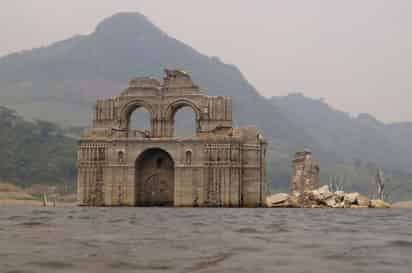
{"x": 34, "y": 152}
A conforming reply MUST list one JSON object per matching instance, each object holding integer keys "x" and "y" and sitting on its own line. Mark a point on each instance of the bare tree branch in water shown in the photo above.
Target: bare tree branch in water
{"x": 380, "y": 184}
{"x": 384, "y": 188}
{"x": 337, "y": 183}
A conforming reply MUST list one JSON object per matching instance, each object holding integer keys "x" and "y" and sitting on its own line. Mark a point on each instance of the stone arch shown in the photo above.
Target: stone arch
{"x": 175, "y": 106}
{"x": 154, "y": 178}
{"x": 128, "y": 109}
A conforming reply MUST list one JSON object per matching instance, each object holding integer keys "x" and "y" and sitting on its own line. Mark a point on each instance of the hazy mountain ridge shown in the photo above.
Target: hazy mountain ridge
{"x": 352, "y": 138}
{"x": 123, "y": 46}
{"x": 357, "y": 146}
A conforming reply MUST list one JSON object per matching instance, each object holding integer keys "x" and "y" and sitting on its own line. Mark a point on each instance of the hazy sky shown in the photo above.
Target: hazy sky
{"x": 356, "y": 54}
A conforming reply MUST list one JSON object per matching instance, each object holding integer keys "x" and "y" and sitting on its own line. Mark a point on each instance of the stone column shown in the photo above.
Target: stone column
{"x": 80, "y": 189}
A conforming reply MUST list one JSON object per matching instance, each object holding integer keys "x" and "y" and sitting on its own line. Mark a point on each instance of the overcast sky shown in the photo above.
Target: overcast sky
{"x": 356, "y": 54}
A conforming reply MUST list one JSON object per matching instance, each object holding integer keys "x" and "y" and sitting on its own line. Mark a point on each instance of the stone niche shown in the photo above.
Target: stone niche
{"x": 218, "y": 166}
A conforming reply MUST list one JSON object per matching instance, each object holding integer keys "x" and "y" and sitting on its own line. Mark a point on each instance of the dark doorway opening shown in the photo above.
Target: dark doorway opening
{"x": 154, "y": 178}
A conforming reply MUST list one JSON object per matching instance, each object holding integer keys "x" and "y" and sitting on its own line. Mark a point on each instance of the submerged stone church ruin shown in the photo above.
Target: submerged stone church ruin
{"x": 218, "y": 166}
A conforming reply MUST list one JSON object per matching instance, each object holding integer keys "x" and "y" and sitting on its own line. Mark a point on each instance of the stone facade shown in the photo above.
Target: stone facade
{"x": 218, "y": 166}
{"x": 305, "y": 172}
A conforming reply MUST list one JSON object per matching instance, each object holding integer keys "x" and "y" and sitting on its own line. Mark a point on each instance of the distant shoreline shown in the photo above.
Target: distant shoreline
{"x": 34, "y": 203}
{"x": 402, "y": 205}
{"x": 37, "y": 203}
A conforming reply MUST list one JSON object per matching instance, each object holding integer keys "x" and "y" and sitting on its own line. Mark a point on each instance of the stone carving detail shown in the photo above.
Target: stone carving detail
{"x": 218, "y": 166}
{"x": 91, "y": 158}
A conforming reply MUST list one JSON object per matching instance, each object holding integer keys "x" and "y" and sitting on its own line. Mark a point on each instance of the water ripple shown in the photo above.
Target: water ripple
{"x": 204, "y": 240}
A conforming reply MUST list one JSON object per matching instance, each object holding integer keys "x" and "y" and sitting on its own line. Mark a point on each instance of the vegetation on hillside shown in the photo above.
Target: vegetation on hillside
{"x": 34, "y": 152}
{"x": 9, "y": 191}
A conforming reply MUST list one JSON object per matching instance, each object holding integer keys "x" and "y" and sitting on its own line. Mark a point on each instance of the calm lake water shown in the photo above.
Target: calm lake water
{"x": 103, "y": 240}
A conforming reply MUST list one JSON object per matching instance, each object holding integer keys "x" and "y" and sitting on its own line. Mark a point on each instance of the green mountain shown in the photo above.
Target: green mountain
{"x": 34, "y": 152}
{"x": 60, "y": 83}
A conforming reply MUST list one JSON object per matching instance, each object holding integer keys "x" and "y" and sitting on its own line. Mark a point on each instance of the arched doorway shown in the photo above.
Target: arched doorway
{"x": 154, "y": 178}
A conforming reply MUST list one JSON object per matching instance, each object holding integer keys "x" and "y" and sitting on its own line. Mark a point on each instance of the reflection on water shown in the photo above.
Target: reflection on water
{"x": 204, "y": 240}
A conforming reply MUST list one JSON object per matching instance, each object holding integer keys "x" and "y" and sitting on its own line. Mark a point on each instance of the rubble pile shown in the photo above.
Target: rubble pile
{"x": 323, "y": 198}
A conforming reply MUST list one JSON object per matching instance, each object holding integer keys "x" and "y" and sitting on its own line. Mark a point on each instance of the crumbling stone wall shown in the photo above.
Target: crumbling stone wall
{"x": 305, "y": 172}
